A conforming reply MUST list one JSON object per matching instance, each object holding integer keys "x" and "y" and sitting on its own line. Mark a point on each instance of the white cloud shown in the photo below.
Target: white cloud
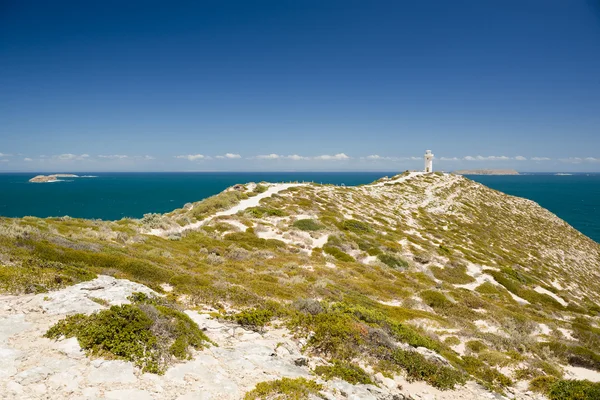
{"x": 271, "y": 156}
{"x": 192, "y": 157}
{"x": 448, "y": 158}
{"x": 378, "y": 157}
{"x": 274, "y": 156}
{"x": 114, "y": 156}
{"x": 27, "y": 159}
{"x": 4, "y": 160}
{"x": 540, "y": 159}
{"x": 5, "y": 155}
{"x": 520, "y": 158}
{"x": 147, "y": 157}
{"x": 579, "y": 160}
{"x": 71, "y": 157}
{"x": 339, "y": 156}
{"x": 488, "y": 158}
{"x": 230, "y": 156}
{"x": 571, "y": 160}
{"x": 296, "y": 157}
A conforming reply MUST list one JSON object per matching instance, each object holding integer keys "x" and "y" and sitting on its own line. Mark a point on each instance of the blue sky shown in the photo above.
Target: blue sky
{"x": 299, "y": 85}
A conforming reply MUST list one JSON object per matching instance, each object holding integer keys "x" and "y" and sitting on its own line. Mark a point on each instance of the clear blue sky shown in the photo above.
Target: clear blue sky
{"x": 337, "y": 85}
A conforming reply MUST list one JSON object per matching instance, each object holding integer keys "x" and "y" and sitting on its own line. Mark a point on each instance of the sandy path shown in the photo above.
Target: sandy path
{"x": 242, "y": 205}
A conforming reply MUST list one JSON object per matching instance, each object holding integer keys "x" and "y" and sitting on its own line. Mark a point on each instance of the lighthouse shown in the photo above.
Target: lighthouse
{"x": 428, "y": 161}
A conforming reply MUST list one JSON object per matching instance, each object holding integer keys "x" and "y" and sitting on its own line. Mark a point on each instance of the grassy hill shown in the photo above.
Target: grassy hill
{"x": 432, "y": 276}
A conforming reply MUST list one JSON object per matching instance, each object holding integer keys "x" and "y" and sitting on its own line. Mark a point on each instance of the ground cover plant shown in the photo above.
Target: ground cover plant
{"x": 150, "y": 332}
{"x": 285, "y": 388}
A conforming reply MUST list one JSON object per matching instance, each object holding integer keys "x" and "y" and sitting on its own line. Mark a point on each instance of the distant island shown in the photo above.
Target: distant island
{"x": 51, "y": 178}
{"x": 486, "y": 172}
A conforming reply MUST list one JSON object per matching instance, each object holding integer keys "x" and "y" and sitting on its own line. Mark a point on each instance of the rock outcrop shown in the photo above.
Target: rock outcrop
{"x": 51, "y": 178}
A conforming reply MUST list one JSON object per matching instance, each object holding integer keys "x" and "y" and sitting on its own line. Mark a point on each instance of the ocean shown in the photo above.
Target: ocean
{"x": 111, "y": 196}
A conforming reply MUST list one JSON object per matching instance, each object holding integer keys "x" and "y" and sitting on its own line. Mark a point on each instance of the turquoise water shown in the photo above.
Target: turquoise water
{"x": 574, "y": 198}
{"x": 110, "y": 196}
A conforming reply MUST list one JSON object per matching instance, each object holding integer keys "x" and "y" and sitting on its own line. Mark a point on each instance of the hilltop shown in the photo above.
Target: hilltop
{"x": 417, "y": 286}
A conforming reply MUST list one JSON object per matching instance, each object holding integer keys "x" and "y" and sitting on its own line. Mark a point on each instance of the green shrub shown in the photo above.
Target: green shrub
{"x": 338, "y": 254}
{"x": 542, "y": 384}
{"x": 284, "y": 389}
{"x": 418, "y": 368}
{"x": 255, "y": 319}
{"x": 574, "y": 390}
{"x": 435, "y": 299}
{"x": 148, "y": 332}
{"x": 307, "y": 225}
{"x": 475, "y": 346}
{"x": 349, "y": 372}
{"x": 260, "y": 212}
{"x": 356, "y": 226}
{"x": 221, "y": 201}
{"x": 249, "y": 241}
{"x": 443, "y": 250}
{"x": 154, "y": 221}
{"x": 454, "y": 275}
{"x": 452, "y": 341}
{"x": 574, "y": 355}
{"x": 260, "y": 188}
{"x": 392, "y": 261}
{"x": 37, "y": 275}
{"x": 490, "y": 377}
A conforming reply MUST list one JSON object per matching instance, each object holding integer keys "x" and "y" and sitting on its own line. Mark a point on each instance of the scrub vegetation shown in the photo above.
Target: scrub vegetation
{"x": 437, "y": 278}
{"x": 150, "y": 332}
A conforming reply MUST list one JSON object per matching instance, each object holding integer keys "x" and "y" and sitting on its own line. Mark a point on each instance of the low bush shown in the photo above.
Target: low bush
{"x": 356, "y": 226}
{"x": 260, "y": 188}
{"x": 574, "y": 390}
{"x": 255, "y": 319}
{"x": 307, "y": 225}
{"x": 260, "y": 212}
{"x": 349, "y": 372}
{"x": 574, "y": 355}
{"x": 454, "y": 275}
{"x": 392, "y": 261}
{"x": 249, "y": 241}
{"x": 435, "y": 299}
{"x": 489, "y": 377}
{"x": 161, "y": 333}
{"x": 418, "y": 368}
{"x": 221, "y": 201}
{"x": 475, "y": 346}
{"x": 154, "y": 221}
{"x": 338, "y": 254}
{"x": 542, "y": 384}
{"x": 36, "y": 275}
{"x": 285, "y": 388}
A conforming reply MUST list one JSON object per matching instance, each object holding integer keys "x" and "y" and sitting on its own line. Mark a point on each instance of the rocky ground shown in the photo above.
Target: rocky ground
{"x": 33, "y": 367}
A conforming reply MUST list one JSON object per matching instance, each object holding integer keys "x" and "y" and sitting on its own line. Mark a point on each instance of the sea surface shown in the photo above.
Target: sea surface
{"x": 111, "y": 196}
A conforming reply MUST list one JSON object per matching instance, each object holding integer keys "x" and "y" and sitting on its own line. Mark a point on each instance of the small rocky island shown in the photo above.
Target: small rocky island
{"x": 51, "y": 178}
{"x": 486, "y": 172}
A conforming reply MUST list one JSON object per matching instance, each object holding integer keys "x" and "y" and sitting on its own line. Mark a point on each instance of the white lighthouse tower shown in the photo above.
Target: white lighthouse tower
{"x": 428, "y": 161}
